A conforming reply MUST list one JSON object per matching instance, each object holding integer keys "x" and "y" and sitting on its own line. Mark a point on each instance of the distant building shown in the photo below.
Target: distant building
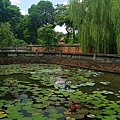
{"x": 61, "y": 41}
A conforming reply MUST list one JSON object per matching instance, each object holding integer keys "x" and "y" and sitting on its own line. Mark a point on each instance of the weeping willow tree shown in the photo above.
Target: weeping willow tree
{"x": 98, "y": 24}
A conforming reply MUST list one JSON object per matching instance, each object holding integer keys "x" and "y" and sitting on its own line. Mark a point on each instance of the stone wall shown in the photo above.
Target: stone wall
{"x": 82, "y": 63}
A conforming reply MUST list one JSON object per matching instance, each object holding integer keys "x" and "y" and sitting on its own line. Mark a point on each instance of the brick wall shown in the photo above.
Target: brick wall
{"x": 74, "y": 48}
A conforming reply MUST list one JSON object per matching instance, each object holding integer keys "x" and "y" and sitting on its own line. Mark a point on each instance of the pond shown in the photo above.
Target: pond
{"x": 57, "y": 92}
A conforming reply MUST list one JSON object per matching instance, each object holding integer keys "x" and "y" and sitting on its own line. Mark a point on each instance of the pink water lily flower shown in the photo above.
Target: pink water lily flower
{"x": 73, "y": 100}
{"x": 72, "y": 107}
{"x": 76, "y": 105}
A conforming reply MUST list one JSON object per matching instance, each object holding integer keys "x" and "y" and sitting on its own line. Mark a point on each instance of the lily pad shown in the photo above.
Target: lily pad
{"x": 91, "y": 116}
{"x": 25, "y": 118}
{"x": 77, "y": 116}
{"x": 73, "y": 87}
{"x": 82, "y": 111}
{"x": 40, "y": 117}
{"x": 109, "y": 112}
{"x": 70, "y": 90}
{"x": 2, "y": 115}
{"x": 38, "y": 105}
{"x": 55, "y": 115}
{"x": 90, "y": 84}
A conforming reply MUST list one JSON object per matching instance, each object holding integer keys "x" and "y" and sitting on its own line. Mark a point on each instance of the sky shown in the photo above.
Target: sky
{"x": 25, "y": 4}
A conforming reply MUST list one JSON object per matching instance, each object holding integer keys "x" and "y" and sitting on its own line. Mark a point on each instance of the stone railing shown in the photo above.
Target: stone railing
{"x": 91, "y": 56}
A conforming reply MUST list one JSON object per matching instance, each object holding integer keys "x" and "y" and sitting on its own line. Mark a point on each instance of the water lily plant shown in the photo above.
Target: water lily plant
{"x": 74, "y": 106}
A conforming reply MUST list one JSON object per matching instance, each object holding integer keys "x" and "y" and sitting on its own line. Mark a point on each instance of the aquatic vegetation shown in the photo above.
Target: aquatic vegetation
{"x": 2, "y": 114}
{"x": 105, "y": 83}
{"x": 52, "y": 93}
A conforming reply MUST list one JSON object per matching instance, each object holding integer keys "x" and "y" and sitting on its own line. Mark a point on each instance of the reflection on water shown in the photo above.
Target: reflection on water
{"x": 114, "y": 85}
{"x": 24, "y": 97}
{"x": 38, "y": 92}
{"x": 61, "y": 82}
{"x": 114, "y": 80}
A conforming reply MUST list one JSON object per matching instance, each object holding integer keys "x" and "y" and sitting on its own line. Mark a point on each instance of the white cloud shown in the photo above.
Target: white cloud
{"x": 79, "y": 1}
{"x": 65, "y": 3}
{"x": 23, "y": 12}
{"x": 15, "y": 1}
{"x": 61, "y": 29}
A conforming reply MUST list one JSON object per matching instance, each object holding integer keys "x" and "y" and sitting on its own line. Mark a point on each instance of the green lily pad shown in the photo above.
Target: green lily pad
{"x": 55, "y": 115}
{"x": 25, "y": 118}
{"x": 38, "y": 105}
{"x": 82, "y": 111}
{"x": 109, "y": 118}
{"x": 7, "y": 119}
{"x": 51, "y": 119}
{"x": 109, "y": 112}
{"x": 70, "y": 90}
{"x": 107, "y": 92}
{"x": 40, "y": 117}
{"x": 118, "y": 101}
{"x": 73, "y": 87}
{"x": 15, "y": 115}
{"x": 90, "y": 84}
{"x": 77, "y": 116}
{"x": 96, "y": 112}
{"x": 51, "y": 109}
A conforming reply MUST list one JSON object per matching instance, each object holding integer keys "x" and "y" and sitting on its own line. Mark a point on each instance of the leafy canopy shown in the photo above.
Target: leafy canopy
{"x": 6, "y": 36}
{"x": 98, "y": 24}
{"x": 47, "y": 36}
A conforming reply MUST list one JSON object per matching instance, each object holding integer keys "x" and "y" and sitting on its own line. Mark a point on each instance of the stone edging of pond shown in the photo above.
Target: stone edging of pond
{"x": 83, "y": 63}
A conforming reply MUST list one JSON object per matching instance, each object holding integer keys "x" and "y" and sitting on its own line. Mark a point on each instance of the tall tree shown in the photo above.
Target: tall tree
{"x": 23, "y": 29}
{"x": 10, "y": 13}
{"x": 47, "y": 36}
{"x": 6, "y": 36}
{"x": 62, "y": 17}
{"x": 14, "y": 16}
{"x": 39, "y": 14}
{"x": 3, "y": 10}
{"x": 97, "y": 22}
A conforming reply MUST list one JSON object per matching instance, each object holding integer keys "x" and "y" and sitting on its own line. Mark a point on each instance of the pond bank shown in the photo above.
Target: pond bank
{"x": 84, "y": 63}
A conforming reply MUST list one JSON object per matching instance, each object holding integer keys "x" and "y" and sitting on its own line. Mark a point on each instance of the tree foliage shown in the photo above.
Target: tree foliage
{"x": 6, "y": 36}
{"x": 47, "y": 36}
{"x": 39, "y": 14}
{"x": 18, "y": 42}
{"x": 4, "y": 4}
{"x": 98, "y": 24}
{"x": 10, "y": 13}
{"x": 62, "y": 17}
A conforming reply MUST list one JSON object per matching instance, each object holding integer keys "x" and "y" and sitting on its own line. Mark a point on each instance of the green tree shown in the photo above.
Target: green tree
{"x": 14, "y": 18}
{"x": 62, "y": 17}
{"x": 10, "y": 13}
{"x": 39, "y": 14}
{"x": 24, "y": 33}
{"x": 98, "y": 24}
{"x": 18, "y": 42}
{"x": 4, "y": 4}
{"x": 6, "y": 36}
{"x": 47, "y": 36}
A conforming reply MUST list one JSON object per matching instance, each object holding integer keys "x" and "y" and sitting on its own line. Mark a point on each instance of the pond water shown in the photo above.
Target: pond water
{"x": 57, "y": 92}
